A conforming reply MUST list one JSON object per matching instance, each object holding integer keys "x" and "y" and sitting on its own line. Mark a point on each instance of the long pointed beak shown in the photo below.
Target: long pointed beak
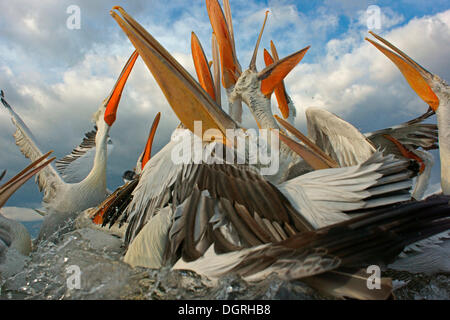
{"x": 252, "y": 65}
{"x": 272, "y": 75}
{"x": 185, "y": 95}
{"x": 201, "y": 66}
{"x": 8, "y": 189}
{"x": 148, "y": 147}
{"x": 319, "y": 154}
{"x": 229, "y": 63}
{"x": 418, "y": 78}
{"x": 314, "y": 160}
{"x": 280, "y": 89}
{"x": 116, "y": 93}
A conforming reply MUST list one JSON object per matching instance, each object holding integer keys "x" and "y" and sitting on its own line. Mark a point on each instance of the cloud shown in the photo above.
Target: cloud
{"x": 56, "y": 78}
{"x": 353, "y": 79}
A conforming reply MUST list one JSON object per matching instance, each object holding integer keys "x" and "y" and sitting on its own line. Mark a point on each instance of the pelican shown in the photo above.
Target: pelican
{"x": 15, "y": 241}
{"x": 344, "y": 143}
{"x": 120, "y": 198}
{"x": 435, "y": 92}
{"x": 337, "y": 137}
{"x": 65, "y": 196}
{"x": 431, "y": 89}
{"x": 188, "y": 210}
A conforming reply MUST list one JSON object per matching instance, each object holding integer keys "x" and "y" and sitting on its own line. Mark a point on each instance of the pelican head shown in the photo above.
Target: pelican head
{"x": 251, "y": 86}
{"x": 429, "y": 87}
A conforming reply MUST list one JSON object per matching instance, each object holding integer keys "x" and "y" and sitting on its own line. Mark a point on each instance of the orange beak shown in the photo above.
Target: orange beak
{"x": 148, "y": 147}
{"x": 201, "y": 66}
{"x": 418, "y": 78}
{"x": 229, "y": 64}
{"x": 272, "y": 75}
{"x": 280, "y": 90}
{"x": 114, "y": 98}
{"x": 185, "y": 95}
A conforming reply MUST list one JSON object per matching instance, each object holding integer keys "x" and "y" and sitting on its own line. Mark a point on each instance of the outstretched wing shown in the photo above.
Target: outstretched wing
{"x": 47, "y": 179}
{"x": 75, "y": 166}
{"x": 338, "y": 138}
{"x": 412, "y": 134}
{"x": 328, "y": 196}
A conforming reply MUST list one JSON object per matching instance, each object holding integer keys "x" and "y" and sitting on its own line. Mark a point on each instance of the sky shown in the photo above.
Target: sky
{"x": 55, "y": 77}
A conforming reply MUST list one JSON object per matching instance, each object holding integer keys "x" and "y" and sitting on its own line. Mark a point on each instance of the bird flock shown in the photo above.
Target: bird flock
{"x": 339, "y": 200}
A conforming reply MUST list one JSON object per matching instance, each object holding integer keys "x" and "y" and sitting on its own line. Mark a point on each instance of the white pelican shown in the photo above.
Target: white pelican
{"x": 431, "y": 89}
{"x": 62, "y": 196}
{"x": 339, "y": 139}
{"x": 120, "y": 198}
{"x": 342, "y": 142}
{"x": 185, "y": 210}
{"x": 15, "y": 241}
{"x": 431, "y": 255}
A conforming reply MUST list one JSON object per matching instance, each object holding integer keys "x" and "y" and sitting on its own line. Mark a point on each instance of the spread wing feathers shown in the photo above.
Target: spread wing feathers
{"x": 153, "y": 190}
{"x": 236, "y": 190}
{"x": 107, "y": 211}
{"x": 219, "y": 245}
{"x": 47, "y": 179}
{"x": 214, "y": 237}
{"x": 75, "y": 166}
{"x": 378, "y": 237}
{"x": 411, "y": 134}
{"x": 230, "y": 206}
{"x": 338, "y": 138}
{"x": 327, "y": 196}
{"x": 258, "y": 262}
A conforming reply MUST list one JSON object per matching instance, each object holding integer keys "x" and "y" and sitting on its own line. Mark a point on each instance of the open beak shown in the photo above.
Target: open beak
{"x": 318, "y": 159}
{"x": 185, "y": 95}
{"x": 201, "y": 66}
{"x": 272, "y": 75}
{"x": 148, "y": 147}
{"x": 228, "y": 59}
{"x": 418, "y": 78}
{"x": 280, "y": 90}
{"x": 8, "y": 189}
{"x": 114, "y": 97}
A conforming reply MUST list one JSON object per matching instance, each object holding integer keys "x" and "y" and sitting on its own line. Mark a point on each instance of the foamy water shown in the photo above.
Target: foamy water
{"x": 105, "y": 276}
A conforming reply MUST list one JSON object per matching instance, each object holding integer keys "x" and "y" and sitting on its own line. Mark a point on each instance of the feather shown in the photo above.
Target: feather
{"x": 47, "y": 179}
{"x": 75, "y": 166}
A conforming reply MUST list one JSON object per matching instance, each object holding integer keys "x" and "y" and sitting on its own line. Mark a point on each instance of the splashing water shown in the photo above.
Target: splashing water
{"x": 105, "y": 276}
